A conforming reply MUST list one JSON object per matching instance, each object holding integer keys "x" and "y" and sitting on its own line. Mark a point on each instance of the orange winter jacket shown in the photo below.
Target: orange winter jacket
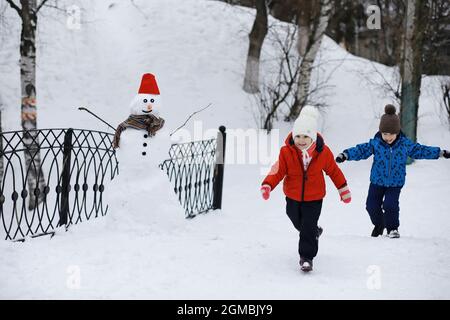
{"x": 298, "y": 184}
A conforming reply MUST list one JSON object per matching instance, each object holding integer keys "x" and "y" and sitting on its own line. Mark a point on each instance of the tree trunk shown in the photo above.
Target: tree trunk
{"x": 411, "y": 67}
{"x": 303, "y": 36}
{"x": 318, "y": 30}
{"x": 35, "y": 176}
{"x": 256, "y": 37}
{"x": 304, "y": 13}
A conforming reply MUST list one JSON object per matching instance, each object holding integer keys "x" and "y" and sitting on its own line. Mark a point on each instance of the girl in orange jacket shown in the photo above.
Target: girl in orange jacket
{"x": 301, "y": 163}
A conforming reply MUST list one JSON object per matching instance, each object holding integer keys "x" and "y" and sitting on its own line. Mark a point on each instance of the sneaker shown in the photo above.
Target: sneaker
{"x": 306, "y": 264}
{"x": 377, "y": 231}
{"x": 319, "y": 231}
{"x": 393, "y": 234}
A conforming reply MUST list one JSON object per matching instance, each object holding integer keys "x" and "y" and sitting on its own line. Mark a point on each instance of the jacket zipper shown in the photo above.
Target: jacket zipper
{"x": 305, "y": 177}
{"x": 305, "y": 174}
{"x": 390, "y": 162}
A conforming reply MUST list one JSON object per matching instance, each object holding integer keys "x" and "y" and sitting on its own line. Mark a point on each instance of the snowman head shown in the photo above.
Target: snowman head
{"x": 148, "y": 99}
{"x": 144, "y": 104}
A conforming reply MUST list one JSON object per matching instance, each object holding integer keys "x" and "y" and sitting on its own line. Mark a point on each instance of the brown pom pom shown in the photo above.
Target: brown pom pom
{"x": 389, "y": 109}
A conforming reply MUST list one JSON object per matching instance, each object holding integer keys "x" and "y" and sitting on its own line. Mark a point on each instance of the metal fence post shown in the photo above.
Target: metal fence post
{"x": 219, "y": 168}
{"x": 65, "y": 184}
{"x": 1, "y": 147}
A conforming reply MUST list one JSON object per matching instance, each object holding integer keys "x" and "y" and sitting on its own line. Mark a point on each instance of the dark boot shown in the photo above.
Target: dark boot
{"x": 377, "y": 231}
{"x": 393, "y": 234}
{"x": 306, "y": 265}
{"x": 319, "y": 231}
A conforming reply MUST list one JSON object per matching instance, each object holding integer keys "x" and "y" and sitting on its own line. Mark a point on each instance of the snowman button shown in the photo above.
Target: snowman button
{"x": 145, "y": 136}
{"x": 145, "y": 144}
{"x": 144, "y": 153}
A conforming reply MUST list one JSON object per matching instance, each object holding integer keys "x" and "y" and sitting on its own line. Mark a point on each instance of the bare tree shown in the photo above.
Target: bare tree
{"x": 319, "y": 26}
{"x": 347, "y": 26}
{"x": 411, "y": 67}
{"x": 446, "y": 99}
{"x": 280, "y": 90}
{"x": 27, "y": 12}
{"x": 256, "y": 39}
{"x": 436, "y": 39}
{"x": 386, "y": 81}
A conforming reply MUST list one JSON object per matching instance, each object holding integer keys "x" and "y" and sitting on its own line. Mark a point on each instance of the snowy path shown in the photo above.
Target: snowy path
{"x": 224, "y": 264}
{"x": 246, "y": 251}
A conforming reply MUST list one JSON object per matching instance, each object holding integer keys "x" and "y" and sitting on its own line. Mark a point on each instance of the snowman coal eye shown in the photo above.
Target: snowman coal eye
{"x": 152, "y": 100}
{"x": 145, "y": 100}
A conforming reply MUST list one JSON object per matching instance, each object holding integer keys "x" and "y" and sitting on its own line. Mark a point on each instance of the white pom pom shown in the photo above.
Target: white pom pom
{"x": 310, "y": 111}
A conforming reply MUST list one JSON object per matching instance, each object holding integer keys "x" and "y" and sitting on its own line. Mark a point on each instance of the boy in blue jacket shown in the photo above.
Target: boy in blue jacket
{"x": 390, "y": 149}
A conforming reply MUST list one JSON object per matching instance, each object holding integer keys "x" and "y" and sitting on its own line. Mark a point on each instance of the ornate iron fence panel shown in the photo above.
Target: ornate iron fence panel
{"x": 75, "y": 165}
{"x": 73, "y": 168}
{"x": 196, "y": 168}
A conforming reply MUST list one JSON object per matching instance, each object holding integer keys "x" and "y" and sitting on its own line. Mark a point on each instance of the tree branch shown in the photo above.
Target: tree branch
{"x": 139, "y": 9}
{"x": 40, "y": 6}
{"x": 15, "y": 7}
{"x": 189, "y": 118}
{"x": 55, "y": 7}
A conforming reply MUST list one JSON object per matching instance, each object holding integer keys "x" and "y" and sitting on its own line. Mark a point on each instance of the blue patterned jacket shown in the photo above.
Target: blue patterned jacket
{"x": 389, "y": 161}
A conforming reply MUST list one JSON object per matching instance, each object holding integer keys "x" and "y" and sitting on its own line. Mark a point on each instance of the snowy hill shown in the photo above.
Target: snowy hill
{"x": 248, "y": 250}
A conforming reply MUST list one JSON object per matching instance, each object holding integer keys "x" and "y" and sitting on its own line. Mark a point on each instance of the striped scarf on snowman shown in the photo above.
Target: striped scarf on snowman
{"x": 150, "y": 123}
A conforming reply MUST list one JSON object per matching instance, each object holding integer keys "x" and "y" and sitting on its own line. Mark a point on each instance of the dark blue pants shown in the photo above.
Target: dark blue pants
{"x": 304, "y": 216}
{"x": 383, "y": 206}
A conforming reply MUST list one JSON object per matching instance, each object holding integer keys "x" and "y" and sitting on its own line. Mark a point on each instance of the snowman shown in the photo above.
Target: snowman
{"x": 142, "y": 143}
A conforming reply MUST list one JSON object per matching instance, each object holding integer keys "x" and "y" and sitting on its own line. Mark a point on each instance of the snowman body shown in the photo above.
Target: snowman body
{"x": 140, "y": 154}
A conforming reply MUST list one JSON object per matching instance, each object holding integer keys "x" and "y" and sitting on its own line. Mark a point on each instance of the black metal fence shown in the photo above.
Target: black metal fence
{"x": 196, "y": 168}
{"x": 75, "y": 166}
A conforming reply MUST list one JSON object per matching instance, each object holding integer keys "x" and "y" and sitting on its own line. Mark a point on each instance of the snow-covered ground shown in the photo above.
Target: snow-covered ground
{"x": 247, "y": 250}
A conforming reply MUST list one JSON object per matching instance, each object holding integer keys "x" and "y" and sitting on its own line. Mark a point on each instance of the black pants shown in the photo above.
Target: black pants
{"x": 304, "y": 216}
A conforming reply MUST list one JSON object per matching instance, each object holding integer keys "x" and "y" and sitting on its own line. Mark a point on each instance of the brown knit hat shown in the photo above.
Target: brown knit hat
{"x": 390, "y": 122}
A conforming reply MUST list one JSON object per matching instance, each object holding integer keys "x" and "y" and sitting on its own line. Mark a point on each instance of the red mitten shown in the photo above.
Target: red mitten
{"x": 345, "y": 194}
{"x": 265, "y": 191}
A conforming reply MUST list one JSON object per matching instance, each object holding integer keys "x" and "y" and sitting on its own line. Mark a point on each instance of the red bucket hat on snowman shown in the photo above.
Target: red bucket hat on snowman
{"x": 148, "y": 85}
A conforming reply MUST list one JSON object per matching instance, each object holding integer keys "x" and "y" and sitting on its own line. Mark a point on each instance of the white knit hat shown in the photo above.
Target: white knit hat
{"x": 306, "y": 123}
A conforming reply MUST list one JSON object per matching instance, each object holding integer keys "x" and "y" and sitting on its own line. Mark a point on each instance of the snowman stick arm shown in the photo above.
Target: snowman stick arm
{"x": 87, "y": 110}
{"x": 192, "y": 114}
